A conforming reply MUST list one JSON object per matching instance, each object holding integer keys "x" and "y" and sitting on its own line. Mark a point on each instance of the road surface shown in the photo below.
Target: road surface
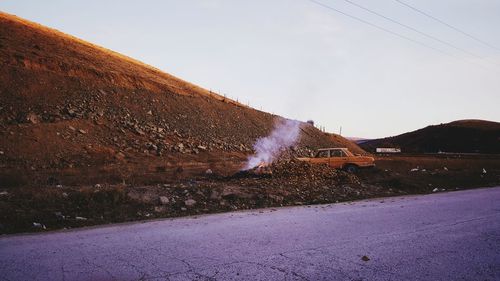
{"x": 445, "y": 236}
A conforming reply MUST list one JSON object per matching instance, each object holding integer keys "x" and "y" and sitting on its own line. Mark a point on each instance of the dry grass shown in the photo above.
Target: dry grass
{"x": 117, "y": 63}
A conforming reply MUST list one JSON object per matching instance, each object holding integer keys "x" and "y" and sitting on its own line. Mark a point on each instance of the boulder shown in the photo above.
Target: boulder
{"x": 235, "y": 192}
{"x": 164, "y": 200}
{"x": 32, "y": 118}
{"x": 190, "y": 202}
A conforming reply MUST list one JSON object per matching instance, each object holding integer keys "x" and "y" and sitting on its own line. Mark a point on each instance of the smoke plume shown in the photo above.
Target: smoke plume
{"x": 284, "y": 134}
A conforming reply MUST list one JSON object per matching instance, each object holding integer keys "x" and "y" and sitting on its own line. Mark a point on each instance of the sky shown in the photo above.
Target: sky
{"x": 305, "y": 61}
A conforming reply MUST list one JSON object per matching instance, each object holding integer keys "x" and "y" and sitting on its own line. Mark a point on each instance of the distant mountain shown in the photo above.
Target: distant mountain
{"x": 463, "y": 136}
{"x": 358, "y": 140}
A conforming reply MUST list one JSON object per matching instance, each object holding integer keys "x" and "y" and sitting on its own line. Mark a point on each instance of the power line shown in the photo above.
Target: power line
{"x": 413, "y": 29}
{"x": 448, "y": 25}
{"x": 381, "y": 28}
{"x": 397, "y": 34}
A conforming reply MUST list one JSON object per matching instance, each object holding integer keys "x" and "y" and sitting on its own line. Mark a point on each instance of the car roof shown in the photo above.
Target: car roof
{"x": 332, "y": 148}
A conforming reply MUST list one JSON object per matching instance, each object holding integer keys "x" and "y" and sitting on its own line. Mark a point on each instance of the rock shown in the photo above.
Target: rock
{"x": 139, "y": 131}
{"x": 59, "y": 216}
{"x": 65, "y": 195}
{"x": 414, "y": 170}
{"x": 39, "y": 225}
{"x": 215, "y": 195}
{"x": 4, "y": 193}
{"x": 80, "y": 218}
{"x": 189, "y": 202}
{"x": 148, "y": 198}
{"x": 59, "y": 186}
{"x": 201, "y": 147}
{"x": 183, "y": 209}
{"x": 484, "y": 171}
{"x": 365, "y": 258}
{"x": 97, "y": 186}
{"x": 209, "y": 172}
{"x": 120, "y": 156}
{"x": 1, "y": 152}
{"x": 444, "y": 168}
{"x": 164, "y": 200}
{"x": 435, "y": 189}
{"x": 82, "y": 131}
{"x": 235, "y": 192}
{"x": 71, "y": 112}
{"x": 71, "y": 128}
{"x": 134, "y": 196}
{"x": 160, "y": 209}
{"x": 32, "y": 118}
{"x": 276, "y": 198}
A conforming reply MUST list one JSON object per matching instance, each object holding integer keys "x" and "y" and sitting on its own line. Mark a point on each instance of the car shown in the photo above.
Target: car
{"x": 340, "y": 158}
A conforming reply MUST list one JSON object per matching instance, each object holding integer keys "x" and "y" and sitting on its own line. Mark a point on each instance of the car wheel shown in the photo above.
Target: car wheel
{"x": 351, "y": 169}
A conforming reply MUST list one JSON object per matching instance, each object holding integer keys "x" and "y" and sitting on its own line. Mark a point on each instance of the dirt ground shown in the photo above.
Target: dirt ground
{"x": 50, "y": 207}
{"x": 425, "y": 173}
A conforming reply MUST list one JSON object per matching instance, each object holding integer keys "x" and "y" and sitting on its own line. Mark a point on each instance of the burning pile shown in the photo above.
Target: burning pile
{"x": 292, "y": 182}
{"x": 310, "y": 174}
{"x": 294, "y": 173}
{"x": 285, "y": 134}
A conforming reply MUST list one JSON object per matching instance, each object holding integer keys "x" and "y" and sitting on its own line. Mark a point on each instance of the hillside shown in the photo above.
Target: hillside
{"x": 75, "y": 113}
{"x": 463, "y": 136}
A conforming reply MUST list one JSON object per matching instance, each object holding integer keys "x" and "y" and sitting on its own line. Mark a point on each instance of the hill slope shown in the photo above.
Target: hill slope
{"x": 73, "y": 112}
{"x": 465, "y": 136}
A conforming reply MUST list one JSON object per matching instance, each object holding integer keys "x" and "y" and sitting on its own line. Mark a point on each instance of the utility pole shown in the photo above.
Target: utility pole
{"x": 340, "y": 132}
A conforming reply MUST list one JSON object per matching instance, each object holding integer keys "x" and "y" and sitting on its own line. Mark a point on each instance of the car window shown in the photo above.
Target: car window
{"x": 336, "y": 153}
{"x": 322, "y": 154}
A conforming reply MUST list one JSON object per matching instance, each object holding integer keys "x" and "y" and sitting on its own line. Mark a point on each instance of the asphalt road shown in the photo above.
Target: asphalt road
{"x": 445, "y": 236}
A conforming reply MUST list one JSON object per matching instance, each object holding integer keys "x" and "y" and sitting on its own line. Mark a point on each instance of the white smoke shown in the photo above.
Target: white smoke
{"x": 284, "y": 134}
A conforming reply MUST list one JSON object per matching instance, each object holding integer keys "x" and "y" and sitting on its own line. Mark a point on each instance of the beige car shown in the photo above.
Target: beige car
{"x": 340, "y": 158}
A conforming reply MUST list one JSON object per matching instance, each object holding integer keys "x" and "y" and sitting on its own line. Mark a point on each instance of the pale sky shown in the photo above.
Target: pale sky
{"x": 304, "y": 61}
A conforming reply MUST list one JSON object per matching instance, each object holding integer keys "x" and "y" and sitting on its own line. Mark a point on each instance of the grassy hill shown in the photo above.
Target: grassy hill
{"x": 463, "y": 136}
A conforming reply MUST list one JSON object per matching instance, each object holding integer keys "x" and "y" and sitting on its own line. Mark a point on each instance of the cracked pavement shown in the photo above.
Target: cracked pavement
{"x": 445, "y": 236}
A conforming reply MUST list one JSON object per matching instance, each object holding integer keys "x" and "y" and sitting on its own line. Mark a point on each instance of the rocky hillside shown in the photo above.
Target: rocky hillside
{"x": 463, "y": 136}
{"x": 74, "y": 113}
